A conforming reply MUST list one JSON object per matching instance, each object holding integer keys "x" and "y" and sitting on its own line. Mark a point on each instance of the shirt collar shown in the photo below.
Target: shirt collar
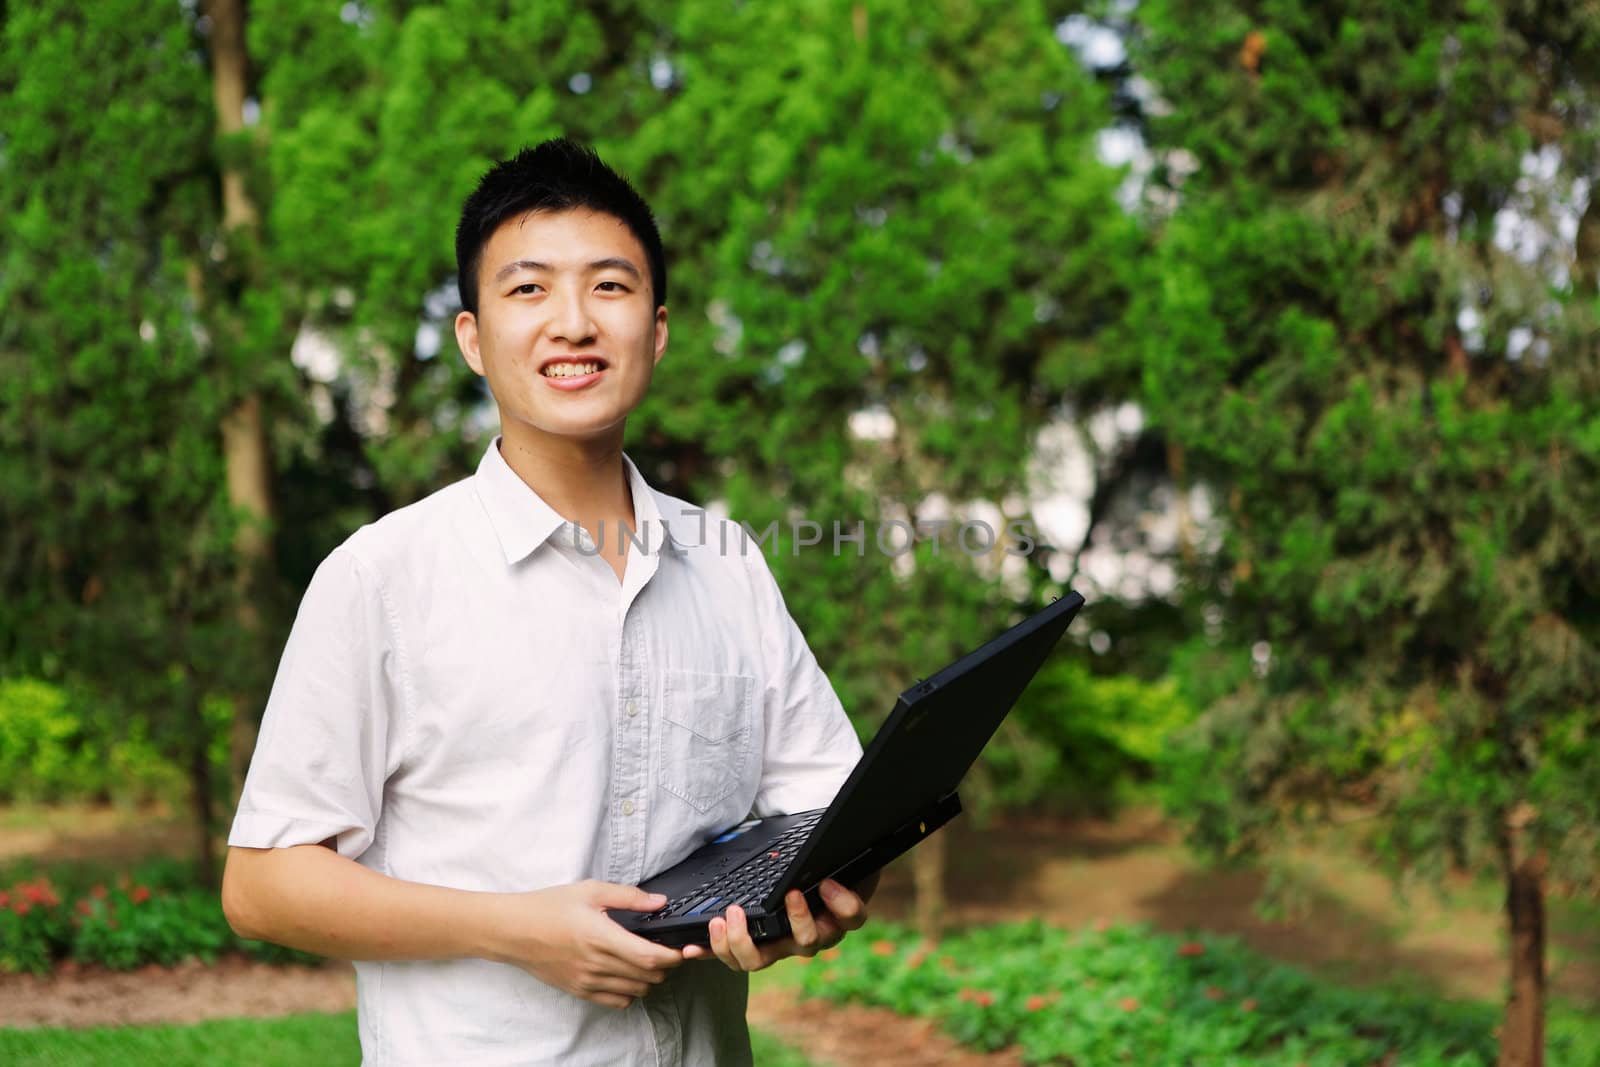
{"x": 522, "y": 521}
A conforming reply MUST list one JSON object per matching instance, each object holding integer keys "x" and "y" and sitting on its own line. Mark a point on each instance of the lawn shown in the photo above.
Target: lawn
{"x": 295, "y": 1041}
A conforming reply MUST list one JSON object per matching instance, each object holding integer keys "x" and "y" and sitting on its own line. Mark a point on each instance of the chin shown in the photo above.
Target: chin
{"x": 577, "y": 429}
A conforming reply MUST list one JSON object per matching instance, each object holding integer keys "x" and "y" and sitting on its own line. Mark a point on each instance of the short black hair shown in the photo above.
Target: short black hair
{"x": 557, "y": 175}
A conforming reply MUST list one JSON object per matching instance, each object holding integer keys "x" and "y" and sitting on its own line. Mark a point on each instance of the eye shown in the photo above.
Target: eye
{"x": 527, "y": 287}
{"x": 617, "y": 287}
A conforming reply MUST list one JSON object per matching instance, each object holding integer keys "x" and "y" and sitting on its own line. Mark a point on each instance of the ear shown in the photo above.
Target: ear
{"x": 661, "y": 332}
{"x": 467, "y": 341}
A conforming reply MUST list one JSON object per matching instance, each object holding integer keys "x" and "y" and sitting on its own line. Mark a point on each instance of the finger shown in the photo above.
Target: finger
{"x": 696, "y": 952}
{"x": 828, "y": 932}
{"x": 802, "y": 924}
{"x": 609, "y": 1000}
{"x": 849, "y": 909}
{"x": 623, "y": 967}
{"x": 626, "y": 897}
{"x": 640, "y": 952}
{"x": 739, "y": 943}
{"x": 615, "y": 985}
{"x": 718, "y": 928}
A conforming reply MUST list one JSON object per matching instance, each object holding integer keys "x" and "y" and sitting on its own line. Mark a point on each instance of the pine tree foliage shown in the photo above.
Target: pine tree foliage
{"x": 896, "y": 212}
{"x": 1372, "y": 321}
{"x": 114, "y": 530}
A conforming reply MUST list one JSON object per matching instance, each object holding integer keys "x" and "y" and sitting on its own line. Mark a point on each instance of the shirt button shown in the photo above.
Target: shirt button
{"x": 627, "y": 807}
{"x": 633, "y": 709}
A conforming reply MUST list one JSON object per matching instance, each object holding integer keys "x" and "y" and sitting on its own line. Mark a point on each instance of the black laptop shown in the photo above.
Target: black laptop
{"x": 903, "y": 789}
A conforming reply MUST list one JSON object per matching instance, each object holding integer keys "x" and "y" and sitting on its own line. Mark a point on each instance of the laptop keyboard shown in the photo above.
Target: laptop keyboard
{"x": 746, "y": 884}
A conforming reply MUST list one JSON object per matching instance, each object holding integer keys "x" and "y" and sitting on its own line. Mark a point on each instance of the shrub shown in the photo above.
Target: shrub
{"x": 52, "y": 749}
{"x": 120, "y": 925}
{"x": 1125, "y": 995}
{"x": 1076, "y": 738}
{"x": 34, "y": 930}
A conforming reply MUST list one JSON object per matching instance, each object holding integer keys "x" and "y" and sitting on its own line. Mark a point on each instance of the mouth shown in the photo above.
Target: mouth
{"x": 570, "y": 367}
{"x": 570, "y": 372}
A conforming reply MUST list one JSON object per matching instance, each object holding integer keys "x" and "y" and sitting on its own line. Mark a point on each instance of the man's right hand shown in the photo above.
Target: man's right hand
{"x": 563, "y": 937}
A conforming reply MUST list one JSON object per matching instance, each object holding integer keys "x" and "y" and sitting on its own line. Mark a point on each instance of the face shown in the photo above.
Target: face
{"x": 567, "y": 331}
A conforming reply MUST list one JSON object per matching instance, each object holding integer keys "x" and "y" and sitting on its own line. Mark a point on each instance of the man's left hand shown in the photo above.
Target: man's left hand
{"x": 809, "y": 934}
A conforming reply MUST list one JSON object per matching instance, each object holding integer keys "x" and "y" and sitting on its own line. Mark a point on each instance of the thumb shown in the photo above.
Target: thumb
{"x": 629, "y": 897}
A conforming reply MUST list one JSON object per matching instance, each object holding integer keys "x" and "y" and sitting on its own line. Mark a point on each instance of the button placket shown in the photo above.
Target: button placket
{"x": 632, "y": 771}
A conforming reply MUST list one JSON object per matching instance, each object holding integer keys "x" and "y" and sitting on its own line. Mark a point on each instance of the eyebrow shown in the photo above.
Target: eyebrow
{"x": 609, "y": 263}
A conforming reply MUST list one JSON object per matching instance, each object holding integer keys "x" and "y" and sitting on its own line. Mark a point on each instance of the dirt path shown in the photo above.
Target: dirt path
{"x": 189, "y": 993}
{"x": 829, "y": 1035}
{"x": 847, "y": 1035}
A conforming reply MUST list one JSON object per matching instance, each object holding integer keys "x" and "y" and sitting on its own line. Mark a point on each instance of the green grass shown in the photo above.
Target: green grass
{"x": 292, "y": 1041}
{"x": 770, "y": 1052}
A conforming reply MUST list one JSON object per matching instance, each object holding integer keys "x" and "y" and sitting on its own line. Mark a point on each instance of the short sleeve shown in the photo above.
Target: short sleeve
{"x": 810, "y": 747}
{"x": 329, "y": 736}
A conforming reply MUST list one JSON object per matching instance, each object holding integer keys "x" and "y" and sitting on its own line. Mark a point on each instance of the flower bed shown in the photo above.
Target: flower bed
{"x": 1127, "y": 995}
{"x": 121, "y": 923}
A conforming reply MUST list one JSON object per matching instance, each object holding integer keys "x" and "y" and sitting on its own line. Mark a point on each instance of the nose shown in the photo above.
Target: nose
{"x": 569, "y": 316}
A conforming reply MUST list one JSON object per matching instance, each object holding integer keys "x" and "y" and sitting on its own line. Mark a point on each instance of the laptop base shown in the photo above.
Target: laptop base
{"x": 767, "y": 918}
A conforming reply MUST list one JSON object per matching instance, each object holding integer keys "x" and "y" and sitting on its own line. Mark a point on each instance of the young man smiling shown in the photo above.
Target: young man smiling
{"x": 496, "y": 714}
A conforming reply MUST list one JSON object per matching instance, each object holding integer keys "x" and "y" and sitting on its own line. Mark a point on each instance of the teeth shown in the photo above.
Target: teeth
{"x": 570, "y": 370}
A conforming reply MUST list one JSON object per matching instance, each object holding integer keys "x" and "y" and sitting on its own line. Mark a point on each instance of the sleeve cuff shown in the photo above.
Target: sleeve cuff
{"x": 259, "y": 829}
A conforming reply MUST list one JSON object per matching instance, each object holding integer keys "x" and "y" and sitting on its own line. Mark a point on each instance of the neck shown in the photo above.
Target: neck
{"x": 582, "y": 481}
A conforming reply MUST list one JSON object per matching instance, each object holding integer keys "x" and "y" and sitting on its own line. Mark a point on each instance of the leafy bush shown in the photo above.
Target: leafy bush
{"x": 52, "y": 749}
{"x": 1125, "y": 995}
{"x": 1076, "y": 738}
{"x": 120, "y": 926}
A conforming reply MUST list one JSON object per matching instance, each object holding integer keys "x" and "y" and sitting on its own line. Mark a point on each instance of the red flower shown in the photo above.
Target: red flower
{"x": 22, "y": 907}
{"x": 1214, "y": 992}
{"x": 985, "y": 999}
{"x": 829, "y": 954}
{"x": 967, "y": 993}
{"x": 5, "y": 899}
{"x": 1128, "y": 1003}
{"x": 1248, "y": 1004}
{"x": 1036, "y": 1002}
{"x": 1191, "y": 948}
{"x": 883, "y": 948}
{"x": 84, "y": 907}
{"x": 98, "y": 892}
{"x": 139, "y": 895}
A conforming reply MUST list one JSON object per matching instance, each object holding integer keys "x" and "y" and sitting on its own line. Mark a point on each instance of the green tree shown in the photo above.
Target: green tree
{"x": 116, "y": 529}
{"x": 1369, "y": 325}
{"x": 892, "y": 240}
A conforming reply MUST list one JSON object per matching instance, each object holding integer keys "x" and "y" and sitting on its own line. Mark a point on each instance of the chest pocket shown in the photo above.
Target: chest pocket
{"x": 705, "y": 735}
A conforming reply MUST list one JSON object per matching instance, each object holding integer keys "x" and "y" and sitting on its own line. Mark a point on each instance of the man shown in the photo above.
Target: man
{"x": 504, "y": 706}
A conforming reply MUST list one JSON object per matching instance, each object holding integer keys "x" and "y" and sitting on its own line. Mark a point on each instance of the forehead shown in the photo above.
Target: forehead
{"x": 562, "y": 239}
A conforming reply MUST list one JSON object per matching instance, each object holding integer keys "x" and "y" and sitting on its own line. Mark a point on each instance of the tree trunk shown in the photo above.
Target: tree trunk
{"x": 1180, "y": 487}
{"x": 200, "y": 779}
{"x": 1522, "y": 1033}
{"x": 927, "y": 879}
{"x": 244, "y": 437}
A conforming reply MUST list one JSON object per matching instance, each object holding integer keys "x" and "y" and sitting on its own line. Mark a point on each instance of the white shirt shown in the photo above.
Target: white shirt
{"x": 469, "y": 698}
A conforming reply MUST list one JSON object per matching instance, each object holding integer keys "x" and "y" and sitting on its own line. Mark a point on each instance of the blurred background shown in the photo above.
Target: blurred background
{"x": 1279, "y": 322}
